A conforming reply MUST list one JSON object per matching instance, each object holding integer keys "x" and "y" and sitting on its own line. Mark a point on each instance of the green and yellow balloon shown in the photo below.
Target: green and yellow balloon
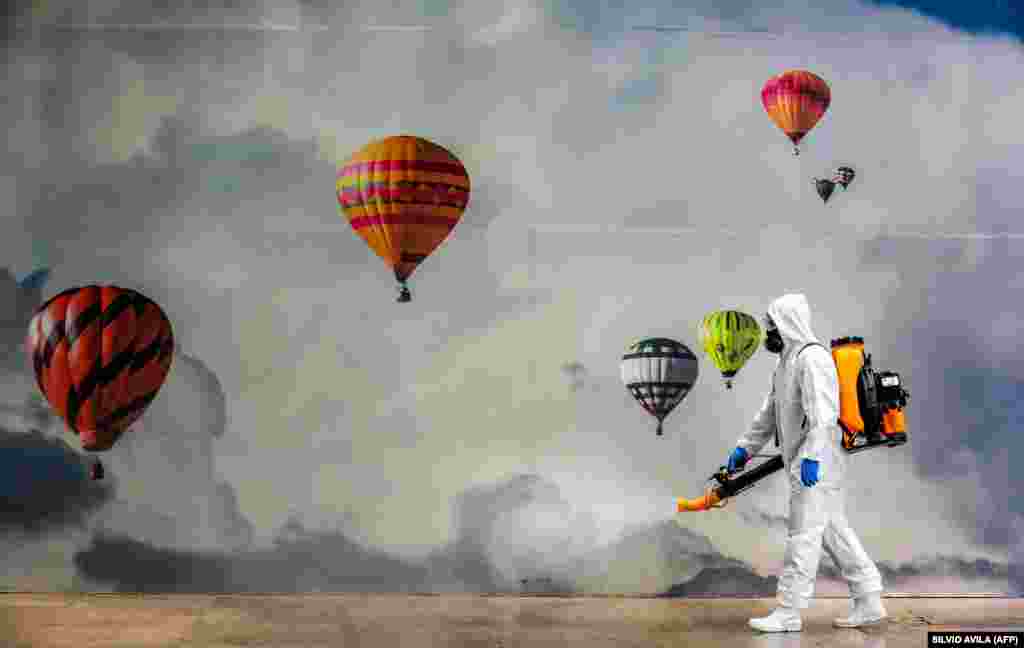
{"x": 730, "y": 338}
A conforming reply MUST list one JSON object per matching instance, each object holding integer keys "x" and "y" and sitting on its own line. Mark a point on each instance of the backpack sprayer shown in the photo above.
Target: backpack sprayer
{"x": 871, "y": 415}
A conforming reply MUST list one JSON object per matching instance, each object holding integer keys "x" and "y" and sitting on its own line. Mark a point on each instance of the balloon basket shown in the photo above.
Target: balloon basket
{"x": 404, "y": 296}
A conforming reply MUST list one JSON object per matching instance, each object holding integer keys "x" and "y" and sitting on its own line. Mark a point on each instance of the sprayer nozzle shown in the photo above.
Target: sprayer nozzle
{"x": 702, "y": 503}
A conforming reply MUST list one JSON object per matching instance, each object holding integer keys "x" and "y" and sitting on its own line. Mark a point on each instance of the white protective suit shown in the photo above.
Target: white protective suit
{"x": 805, "y": 384}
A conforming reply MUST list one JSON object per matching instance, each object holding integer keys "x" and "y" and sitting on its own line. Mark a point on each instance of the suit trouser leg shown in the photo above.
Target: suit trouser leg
{"x": 808, "y": 519}
{"x": 844, "y": 547}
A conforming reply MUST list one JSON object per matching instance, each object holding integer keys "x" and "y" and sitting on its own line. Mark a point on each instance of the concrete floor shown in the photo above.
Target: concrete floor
{"x": 386, "y": 620}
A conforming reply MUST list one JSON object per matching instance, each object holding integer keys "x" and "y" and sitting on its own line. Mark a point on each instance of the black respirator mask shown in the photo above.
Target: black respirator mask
{"x": 772, "y": 338}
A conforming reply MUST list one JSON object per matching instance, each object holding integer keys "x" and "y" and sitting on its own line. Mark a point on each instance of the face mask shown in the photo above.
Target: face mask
{"x": 773, "y": 341}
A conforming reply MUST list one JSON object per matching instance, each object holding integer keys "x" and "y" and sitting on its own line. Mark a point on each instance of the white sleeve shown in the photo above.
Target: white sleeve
{"x": 762, "y": 428}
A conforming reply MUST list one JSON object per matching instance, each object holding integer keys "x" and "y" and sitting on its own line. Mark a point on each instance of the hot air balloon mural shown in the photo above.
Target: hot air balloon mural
{"x": 100, "y": 355}
{"x": 844, "y": 176}
{"x": 659, "y": 373}
{"x": 825, "y": 188}
{"x": 796, "y": 100}
{"x": 730, "y": 338}
{"x": 403, "y": 195}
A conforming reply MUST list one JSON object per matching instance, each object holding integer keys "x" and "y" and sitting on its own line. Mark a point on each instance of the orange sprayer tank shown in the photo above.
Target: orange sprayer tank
{"x": 848, "y": 354}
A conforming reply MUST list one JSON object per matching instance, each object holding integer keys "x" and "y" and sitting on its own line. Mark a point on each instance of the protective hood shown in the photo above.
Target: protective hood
{"x": 792, "y": 316}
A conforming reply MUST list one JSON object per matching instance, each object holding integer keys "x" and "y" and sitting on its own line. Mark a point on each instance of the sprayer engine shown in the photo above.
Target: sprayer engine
{"x": 881, "y": 396}
{"x": 890, "y": 390}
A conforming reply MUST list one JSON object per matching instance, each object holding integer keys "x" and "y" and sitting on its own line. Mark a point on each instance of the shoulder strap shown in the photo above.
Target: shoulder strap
{"x": 807, "y": 345}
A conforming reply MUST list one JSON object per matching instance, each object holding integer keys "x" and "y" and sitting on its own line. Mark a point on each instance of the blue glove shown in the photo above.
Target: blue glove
{"x": 809, "y": 472}
{"x": 737, "y": 460}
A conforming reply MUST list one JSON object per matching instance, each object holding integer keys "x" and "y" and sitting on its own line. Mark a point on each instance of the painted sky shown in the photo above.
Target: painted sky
{"x": 481, "y": 431}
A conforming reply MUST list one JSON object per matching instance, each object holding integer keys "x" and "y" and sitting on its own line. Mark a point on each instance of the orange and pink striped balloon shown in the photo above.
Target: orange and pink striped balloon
{"x": 796, "y": 100}
{"x": 403, "y": 195}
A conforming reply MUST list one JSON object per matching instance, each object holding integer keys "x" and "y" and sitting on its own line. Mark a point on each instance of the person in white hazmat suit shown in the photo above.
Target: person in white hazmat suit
{"x": 801, "y": 413}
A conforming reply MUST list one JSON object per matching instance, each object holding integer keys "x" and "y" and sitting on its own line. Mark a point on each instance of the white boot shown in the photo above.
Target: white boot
{"x": 866, "y": 610}
{"x": 783, "y": 619}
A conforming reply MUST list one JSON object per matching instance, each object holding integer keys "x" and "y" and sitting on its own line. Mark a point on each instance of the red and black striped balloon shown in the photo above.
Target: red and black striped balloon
{"x": 100, "y": 355}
